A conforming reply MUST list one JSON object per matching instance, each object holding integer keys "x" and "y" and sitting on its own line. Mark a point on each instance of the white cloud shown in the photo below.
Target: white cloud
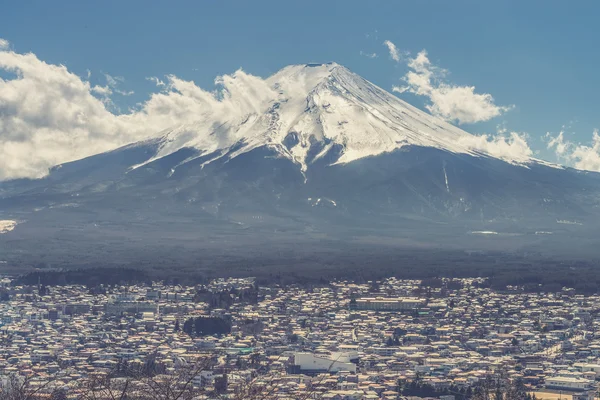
{"x": 156, "y": 80}
{"x": 124, "y": 92}
{"x": 112, "y": 84}
{"x": 4, "y": 44}
{"x": 558, "y": 144}
{"x": 372, "y": 35}
{"x": 511, "y": 147}
{"x": 394, "y": 52}
{"x": 580, "y": 156}
{"x": 369, "y": 55}
{"x": 448, "y": 101}
{"x": 103, "y": 91}
{"x": 48, "y": 115}
{"x": 113, "y": 81}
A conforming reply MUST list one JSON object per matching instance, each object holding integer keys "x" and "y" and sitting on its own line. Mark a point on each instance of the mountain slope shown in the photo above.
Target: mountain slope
{"x": 320, "y": 154}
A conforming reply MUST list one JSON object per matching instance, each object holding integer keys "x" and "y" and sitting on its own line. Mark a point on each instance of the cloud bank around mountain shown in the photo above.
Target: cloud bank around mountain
{"x": 451, "y": 102}
{"x": 580, "y": 156}
{"x": 48, "y": 115}
{"x": 512, "y": 146}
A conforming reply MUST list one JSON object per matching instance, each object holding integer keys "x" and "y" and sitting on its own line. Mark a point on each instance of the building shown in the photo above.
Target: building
{"x": 308, "y": 363}
{"x": 119, "y": 307}
{"x": 584, "y": 367}
{"x": 388, "y": 304}
{"x": 568, "y": 383}
{"x": 583, "y": 396}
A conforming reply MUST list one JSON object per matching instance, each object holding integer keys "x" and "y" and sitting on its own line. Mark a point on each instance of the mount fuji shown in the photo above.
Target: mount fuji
{"x": 319, "y": 155}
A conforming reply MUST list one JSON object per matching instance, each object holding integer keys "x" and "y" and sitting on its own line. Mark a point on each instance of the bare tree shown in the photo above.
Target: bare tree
{"x": 102, "y": 386}
{"x": 23, "y": 388}
{"x": 145, "y": 383}
{"x": 150, "y": 382}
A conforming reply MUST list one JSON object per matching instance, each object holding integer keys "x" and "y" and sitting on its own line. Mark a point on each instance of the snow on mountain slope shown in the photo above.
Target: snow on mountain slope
{"x": 310, "y": 109}
{"x": 7, "y": 226}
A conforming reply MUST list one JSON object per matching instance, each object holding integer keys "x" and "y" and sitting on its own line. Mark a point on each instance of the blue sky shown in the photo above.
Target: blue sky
{"x": 541, "y": 57}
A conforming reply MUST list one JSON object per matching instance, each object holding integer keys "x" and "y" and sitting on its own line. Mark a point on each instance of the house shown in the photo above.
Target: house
{"x": 568, "y": 383}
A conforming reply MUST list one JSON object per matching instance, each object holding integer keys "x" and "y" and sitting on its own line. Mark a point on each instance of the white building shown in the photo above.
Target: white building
{"x": 568, "y": 383}
{"x": 389, "y": 304}
{"x": 595, "y": 368}
{"x": 311, "y": 363}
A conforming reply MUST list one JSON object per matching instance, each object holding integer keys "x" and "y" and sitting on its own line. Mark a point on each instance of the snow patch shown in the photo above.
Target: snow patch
{"x": 7, "y": 225}
{"x": 321, "y": 201}
{"x": 446, "y": 179}
{"x": 567, "y": 222}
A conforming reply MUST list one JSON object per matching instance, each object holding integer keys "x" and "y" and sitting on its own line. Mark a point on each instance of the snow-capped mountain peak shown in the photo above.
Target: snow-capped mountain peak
{"x": 306, "y": 112}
